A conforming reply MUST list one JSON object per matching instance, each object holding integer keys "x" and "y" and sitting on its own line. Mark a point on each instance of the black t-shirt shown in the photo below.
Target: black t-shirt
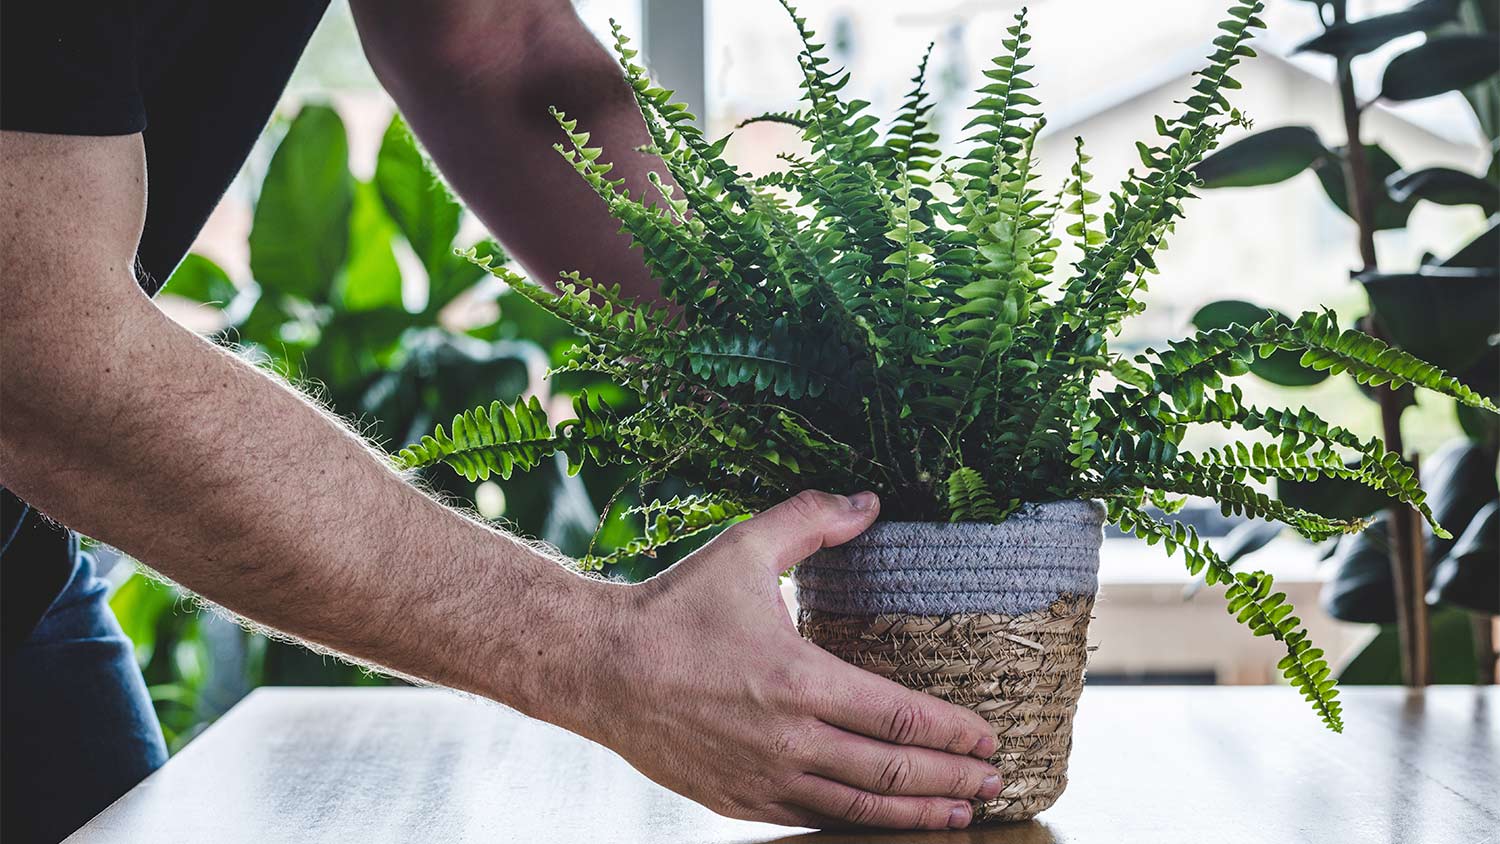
{"x": 198, "y": 80}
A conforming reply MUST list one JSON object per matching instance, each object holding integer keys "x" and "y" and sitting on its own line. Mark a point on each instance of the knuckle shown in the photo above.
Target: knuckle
{"x": 927, "y": 815}
{"x": 896, "y": 774}
{"x": 907, "y": 724}
{"x": 863, "y": 809}
{"x": 807, "y": 504}
{"x": 965, "y": 781}
{"x": 795, "y": 743}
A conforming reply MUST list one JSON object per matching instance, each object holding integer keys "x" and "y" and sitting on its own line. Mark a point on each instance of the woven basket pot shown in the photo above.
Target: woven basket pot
{"x": 992, "y": 617}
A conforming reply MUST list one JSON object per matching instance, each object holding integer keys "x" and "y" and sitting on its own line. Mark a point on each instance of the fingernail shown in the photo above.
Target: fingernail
{"x": 958, "y": 817}
{"x": 863, "y": 500}
{"x": 985, "y": 748}
{"x": 990, "y": 787}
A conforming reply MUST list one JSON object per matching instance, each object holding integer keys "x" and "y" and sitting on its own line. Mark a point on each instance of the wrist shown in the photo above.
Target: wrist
{"x": 562, "y": 664}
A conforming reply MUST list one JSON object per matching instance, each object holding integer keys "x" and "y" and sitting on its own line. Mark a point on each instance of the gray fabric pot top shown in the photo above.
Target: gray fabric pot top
{"x": 1025, "y": 563}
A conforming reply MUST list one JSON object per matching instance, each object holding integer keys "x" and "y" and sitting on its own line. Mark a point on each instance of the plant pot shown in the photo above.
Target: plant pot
{"x": 992, "y": 617}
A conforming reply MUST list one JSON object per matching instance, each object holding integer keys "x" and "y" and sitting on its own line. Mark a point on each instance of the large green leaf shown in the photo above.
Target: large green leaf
{"x": 1452, "y": 649}
{"x": 1460, "y": 478}
{"x": 1335, "y": 498}
{"x": 201, "y": 280}
{"x": 1360, "y": 588}
{"x": 1469, "y": 576}
{"x": 1264, "y": 158}
{"x": 1389, "y": 214}
{"x": 1358, "y": 37}
{"x": 1482, "y": 251}
{"x": 1445, "y": 63}
{"x": 1483, "y": 378}
{"x": 1444, "y": 186}
{"x": 1282, "y": 367}
{"x": 427, "y": 216}
{"x": 1444, "y": 316}
{"x": 372, "y": 278}
{"x": 1479, "y": 17}
{"x": 300, "y": 233}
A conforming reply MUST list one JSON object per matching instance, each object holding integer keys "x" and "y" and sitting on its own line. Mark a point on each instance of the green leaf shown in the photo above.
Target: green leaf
{"x": 1389, "y": 214}
{"x": 1444, "y": 316}
{"x": 371, "y": 279}
{"x": 1282, "y": 367}
{"x": 1482, "y": 251}
{"x": 1445, "y": 63}
{"x": 422, "y": 208}
{"x": 300, "y": 233}
{"x": 1451, "y": 636}
{"x": 1360, "y": 589}
{"x": 1461, "y": 477}
{"x": 1358, "y": 37}
{"x": 1264, "y": 158}
{"x": 1336, "y": 498}
{"x": 1444, "y": 186}
{"x": 1469, "y": 576}
{"x": 201, "y": 280}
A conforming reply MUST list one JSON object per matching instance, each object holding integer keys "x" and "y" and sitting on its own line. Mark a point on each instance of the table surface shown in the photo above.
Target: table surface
{"x": 1150, "y": 764}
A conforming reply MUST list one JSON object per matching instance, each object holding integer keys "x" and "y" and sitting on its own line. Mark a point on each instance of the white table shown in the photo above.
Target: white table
{"x": 1151, "y": 764}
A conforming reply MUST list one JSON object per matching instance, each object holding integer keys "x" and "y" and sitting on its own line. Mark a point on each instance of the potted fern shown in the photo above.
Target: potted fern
{"x": 876, "y": 317}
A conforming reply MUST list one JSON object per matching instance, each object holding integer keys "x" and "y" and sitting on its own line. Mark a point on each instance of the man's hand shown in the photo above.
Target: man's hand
{"x": 707, "y": 689}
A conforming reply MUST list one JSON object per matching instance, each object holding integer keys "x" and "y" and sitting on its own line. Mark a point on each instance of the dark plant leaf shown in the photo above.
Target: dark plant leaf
{"x": 1264, "y": 158}
{"x": 1460, "y": 479}
{"x": 1482, "y": 251}
{"x": 1335, "y": 498}
{"x": 300, "y": 233}
{"x": 1282, "y": 367}
{"x": 1452, "y": 651}
{"x": 1361, "y": 588}
{"x": 1444, "y": 316}
{"x": 1358, "y": 37}
{"x": 1444, "y": 186}
{"x": 1389, "y": 214}
{"x": 1484, "y": 378}
{"x": 1469, "y": 577}
{"x": 201, "y": 280}
{"x": 1445, "y": 63}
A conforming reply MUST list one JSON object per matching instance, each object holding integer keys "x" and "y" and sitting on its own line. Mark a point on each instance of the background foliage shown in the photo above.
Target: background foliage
{"x": 356, "y": 295}
{"x": 1446, "y": 310}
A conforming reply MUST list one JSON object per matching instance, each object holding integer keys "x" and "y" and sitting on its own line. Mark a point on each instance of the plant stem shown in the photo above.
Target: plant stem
{"x": 1407, "y": 571}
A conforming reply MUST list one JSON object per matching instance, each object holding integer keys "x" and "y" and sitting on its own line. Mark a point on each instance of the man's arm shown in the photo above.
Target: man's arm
{"x": 127, "y": 427}
{"x": 474, "y": 79}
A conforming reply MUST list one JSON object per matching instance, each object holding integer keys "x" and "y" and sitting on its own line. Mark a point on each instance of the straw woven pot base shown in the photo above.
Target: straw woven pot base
{"x": 1023, "y": 673}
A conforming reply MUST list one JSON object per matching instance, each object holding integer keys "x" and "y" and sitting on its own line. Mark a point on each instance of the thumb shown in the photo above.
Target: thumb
{"x": 797, "y": 527}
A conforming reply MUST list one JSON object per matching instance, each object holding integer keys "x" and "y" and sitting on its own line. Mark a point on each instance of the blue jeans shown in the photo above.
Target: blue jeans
{"x": 78, "y": 727}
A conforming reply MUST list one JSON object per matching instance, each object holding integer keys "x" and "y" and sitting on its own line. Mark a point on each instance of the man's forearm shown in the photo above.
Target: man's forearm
{"x": 475, "y": 78}
{"x": 227, "y": 481}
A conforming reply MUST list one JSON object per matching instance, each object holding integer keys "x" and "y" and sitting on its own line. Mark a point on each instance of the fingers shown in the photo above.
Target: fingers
{"x": 806, "y": 522}
{"x": 848, "y": 805}
{"x": 873, "y": 706}
{"x": 893, "y": 769}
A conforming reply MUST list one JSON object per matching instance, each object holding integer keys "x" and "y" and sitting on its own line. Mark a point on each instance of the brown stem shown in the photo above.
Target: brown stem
{"x": 1405, "y": 532}
{"x": 1484, "y": 647}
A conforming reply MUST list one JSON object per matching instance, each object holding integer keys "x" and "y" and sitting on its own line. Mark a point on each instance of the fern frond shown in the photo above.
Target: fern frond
{"x": 970, "y": 499}
{"x": 502, "y": 438}
{"x": 670, "y": 521}
{"x": 1250, "y": 601}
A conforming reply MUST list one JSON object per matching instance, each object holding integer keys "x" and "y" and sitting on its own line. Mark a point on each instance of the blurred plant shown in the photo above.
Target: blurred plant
{"x": 1447, "y": 311}
{"x": 336, "y": 262}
